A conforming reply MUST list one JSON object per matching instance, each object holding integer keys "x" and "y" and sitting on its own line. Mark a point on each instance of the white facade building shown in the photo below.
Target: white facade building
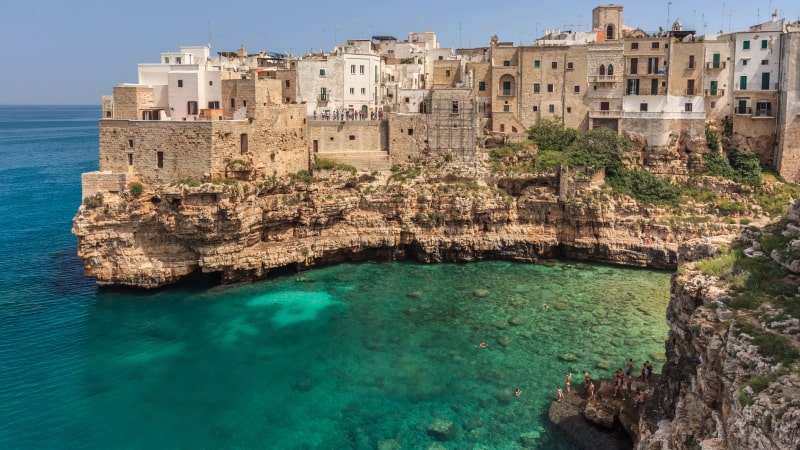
{"x": 756, "y": 67}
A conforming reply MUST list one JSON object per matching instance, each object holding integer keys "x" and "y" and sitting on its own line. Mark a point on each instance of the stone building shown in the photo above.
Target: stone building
{"x": 787, "y": 155}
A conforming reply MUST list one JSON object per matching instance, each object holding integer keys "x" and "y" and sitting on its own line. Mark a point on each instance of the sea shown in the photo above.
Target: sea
{"x": 352, "y": 356}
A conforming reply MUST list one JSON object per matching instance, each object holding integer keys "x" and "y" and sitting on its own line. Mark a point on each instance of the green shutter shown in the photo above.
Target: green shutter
{"x": 745, "y": 45}
{"x": 716, "y": 60}
{"x": 481, "y": 85}
{"x": 537, "y": 63}
{"x": 765, "y": 81}
{"x": 713, "y": 90}
{"x": 763, "y": 43}
{"x": 743, "y": 83}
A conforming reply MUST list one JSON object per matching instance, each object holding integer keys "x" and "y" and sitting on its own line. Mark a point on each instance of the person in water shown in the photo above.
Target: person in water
{"x": 482, "y": 345}
{"x": 517, "y": 392}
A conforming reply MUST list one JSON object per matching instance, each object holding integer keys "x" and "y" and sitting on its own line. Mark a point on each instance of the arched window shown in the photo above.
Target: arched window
{"x": 610, "y": 33}
{"x": 602, "y": 69}
{"x": 610, "y": 70}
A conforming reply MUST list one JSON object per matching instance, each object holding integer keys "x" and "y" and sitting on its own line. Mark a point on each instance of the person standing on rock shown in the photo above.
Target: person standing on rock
{"x": 629, "y": 382}
{"x": 569, "y": 378}
{"x": 585, "y": 379}
{"x": 591, "y": 389}
{"x": 559, "y": 394}
{"x": 629, "y": 365}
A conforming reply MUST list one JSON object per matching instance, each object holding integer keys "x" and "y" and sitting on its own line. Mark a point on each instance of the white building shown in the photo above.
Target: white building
{"x": 183, "y": 83}
{"x": 756, "y": 68}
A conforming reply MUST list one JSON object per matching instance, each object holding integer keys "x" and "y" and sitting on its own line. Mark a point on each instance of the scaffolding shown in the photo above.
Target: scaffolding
{"x": 452, "y": 123}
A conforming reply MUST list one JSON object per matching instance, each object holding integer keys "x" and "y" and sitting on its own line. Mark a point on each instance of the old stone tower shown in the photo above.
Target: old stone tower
{"x": 608, "y": 19}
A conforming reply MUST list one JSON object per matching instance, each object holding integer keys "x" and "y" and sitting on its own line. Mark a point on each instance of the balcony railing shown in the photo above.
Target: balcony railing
{"x": 322, "y": 98}
{"x": 507, "y": 92}
{"x": 743, "y": 111}
{"x": 606, "y": 114}
{"x": 719, "y": 92}
{"x": 690, "y": 91}
{"x": 763, "y": 113}
{"x": 605, "y": 78}
{"x": 715, "y": 66}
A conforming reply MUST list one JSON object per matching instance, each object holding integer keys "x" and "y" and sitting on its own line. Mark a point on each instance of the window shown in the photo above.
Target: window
{"x": 180, "y": 83}
{"x": 691, "y": 61}
{"x": 687, "y": 107}
{"x": 576, "y": 89}
{"x": 352, "y": 68}
{"x": 441, "y": 58}
{"x": 130, "y": 159}
{"x": 191, "y": 107}
{"x": 506, "y": 63}
{"x": 535, "y": 108}
{"x": 643, "y": 107}
{"x": 633, "y": 86}
{"x": 763, "y": 109}
{"x": 551, "y": 108}
{"x": 652, "y": 65}
{"x": 210, "y": 83}
{"x": 447, "y": 73}
{"x": 764, "y": 62}
{"x": 554, "y": 65}
{"x": 233, "y": 103}
{"x": 765, "y": 81}
{"x": 537, "y": 63}
{"x": 482, "y": 86}
{"x": 130, "y": 143}
{"x": 634, "y": 65}
{"x": 570, "y": 66}
{"x": 610, "y": 70}
{"x": 745, "y": 45}
{"x": 323, "y": 94}
{"x": 361, "y": 69}
{"x": 605, "y": 106}
{"x": 288, "y": 83}
{"x": 352, "y": 137}
{"x": 244, "y": 103}
{"x": 454, "y": 106}
{"x": 569, "y": 109}
{"x": 634, "y": 46}
{"x": 502, "y": 128}
{"x": 689, "y": 87}
{"x": 322, "y": 72}
{"x": 506, "y": 108}
{"x": 178, "y": 60}
{"x": 166, "y": 60}
{"x": 160, "y": 160}
{"x": 213, "y": 105}
{"x": 743, "y": 82}
{"x": 407, "y": 99}
{"x": 744, "y": 61}
{"x": 410, "y": 131}
{"x": 654, "y": 86}
{"x": 363, "y": 91}
{"x": 763, "y": 43}
{"x": 713, "y": 89}
{"x": 602, "y": 70}
{"x": 550, "y": 88}
{"x": 352, "y": 91}
{"x": 610, "y": 32}
{"x": 654, "y": 45}
{"x": 536, "y": 88}
{"x": 506, "y": 88}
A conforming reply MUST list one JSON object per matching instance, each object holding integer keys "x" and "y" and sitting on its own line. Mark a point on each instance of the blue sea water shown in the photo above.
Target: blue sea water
{"x": 342, "y": 357}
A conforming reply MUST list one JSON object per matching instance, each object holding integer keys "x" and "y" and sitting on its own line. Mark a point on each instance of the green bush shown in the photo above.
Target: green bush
{"x": 644, "y": 186}
{"x": 327, "y": 164}
{"x": 93, "y": 201}
{"x": 551, "y": 135}
{"x": 137, "y": 189}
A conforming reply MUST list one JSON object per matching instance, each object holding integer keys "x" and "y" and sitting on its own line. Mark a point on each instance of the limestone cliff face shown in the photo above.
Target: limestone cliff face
{"x": 704, "y": 399}
{"x": 245, "y": 231}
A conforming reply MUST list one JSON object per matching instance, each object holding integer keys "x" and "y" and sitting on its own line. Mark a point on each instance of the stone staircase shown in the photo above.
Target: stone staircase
{"x": 365, "y": 160}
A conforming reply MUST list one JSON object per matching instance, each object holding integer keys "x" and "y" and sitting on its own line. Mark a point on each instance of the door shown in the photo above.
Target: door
{"x": 765, "y": 81}
{"x": 742, "y": 109}
{"x": 689, "y": 87}
{"x": 716, "y": 61}
{"x": 713, "y": 91}
{"x": 743, "y": 83}
{"x": 654, "y": 86}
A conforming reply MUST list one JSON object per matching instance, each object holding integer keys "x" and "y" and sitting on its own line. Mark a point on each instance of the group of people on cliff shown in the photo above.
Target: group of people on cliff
{"x": 622, "y": 382}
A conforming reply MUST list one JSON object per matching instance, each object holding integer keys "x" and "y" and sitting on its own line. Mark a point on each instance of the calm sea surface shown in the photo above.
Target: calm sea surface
{"x": 336, "y": 358}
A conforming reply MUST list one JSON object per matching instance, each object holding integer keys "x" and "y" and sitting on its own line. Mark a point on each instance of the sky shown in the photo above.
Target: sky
{"x": 75, "y": 51}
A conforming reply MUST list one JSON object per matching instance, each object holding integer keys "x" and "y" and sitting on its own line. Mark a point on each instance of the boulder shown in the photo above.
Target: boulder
{"x": 442, "y": 430}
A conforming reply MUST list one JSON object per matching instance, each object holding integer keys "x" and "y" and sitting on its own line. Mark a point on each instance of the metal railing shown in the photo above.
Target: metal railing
{"x": 716, "y": 66}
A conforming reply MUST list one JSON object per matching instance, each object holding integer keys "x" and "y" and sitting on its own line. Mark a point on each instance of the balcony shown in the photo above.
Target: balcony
{"x": 743, "y": 111}
{"x": 715, "y": 66}
{"x": 606, "y": 114}
{"x": 690, "y": 92}
{"x": 763, "y": 113}
{"x": 507, "y": 93}
{"x": 605, "y": 79}
{"x": 322, "y": 98}
{"x": 715, "y": 92}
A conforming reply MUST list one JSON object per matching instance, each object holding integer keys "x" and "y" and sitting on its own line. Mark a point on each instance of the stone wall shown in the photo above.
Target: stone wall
{"x": 408, "y": 137}
{"x": 166, "y": 151}
{"x": 328, "y": 136}
{"x": 129, "y": 101}
{"x": 787, "y": 159}
{"x": 101, "y": 182}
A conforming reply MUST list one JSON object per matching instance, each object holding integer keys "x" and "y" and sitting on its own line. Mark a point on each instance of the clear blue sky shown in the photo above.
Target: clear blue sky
{"x": 74, "y": 51}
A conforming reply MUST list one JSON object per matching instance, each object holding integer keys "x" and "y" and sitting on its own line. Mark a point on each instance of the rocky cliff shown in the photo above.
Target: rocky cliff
{"x": 731, "y": 380}
{"x": 243, "y": 230}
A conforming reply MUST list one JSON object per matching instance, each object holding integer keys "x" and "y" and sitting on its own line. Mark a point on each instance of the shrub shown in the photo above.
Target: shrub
{"x": 136, "y": 189}
{"x": 644, "y": 186}
{"x": 93, "y": 201}
{"x": 551, "y": 135}
{"x": 327, "y": 164}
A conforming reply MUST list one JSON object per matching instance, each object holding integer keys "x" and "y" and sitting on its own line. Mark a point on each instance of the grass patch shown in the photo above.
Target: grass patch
{"x": 327, "y": 164}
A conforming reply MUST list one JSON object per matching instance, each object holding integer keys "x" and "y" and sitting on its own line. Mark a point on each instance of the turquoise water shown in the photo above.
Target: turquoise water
{"x": 348, "y": 356}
